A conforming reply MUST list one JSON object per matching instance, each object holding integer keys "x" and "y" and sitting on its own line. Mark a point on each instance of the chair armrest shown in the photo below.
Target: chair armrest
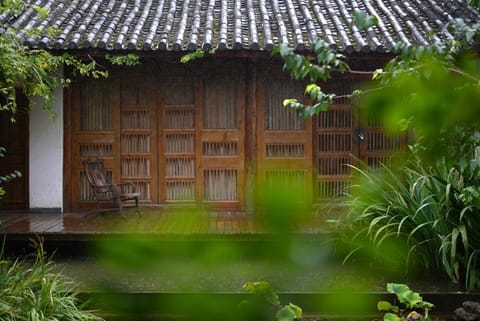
{"x": 134, "y": 187}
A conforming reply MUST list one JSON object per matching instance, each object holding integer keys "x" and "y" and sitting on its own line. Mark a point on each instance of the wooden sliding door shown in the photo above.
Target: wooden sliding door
{"x": 93, "y": 104}
{"x": 284, "y": 143}
{"x": 221, "y": 142}
{"x": 179, "y": 135}
{"x": 345, "y": 136}
{"x": 178, "y": 139}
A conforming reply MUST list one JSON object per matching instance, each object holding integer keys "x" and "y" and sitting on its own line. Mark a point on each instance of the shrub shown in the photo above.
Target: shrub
{"x": 433, "y": 212}
{"x": 35, "y": 291}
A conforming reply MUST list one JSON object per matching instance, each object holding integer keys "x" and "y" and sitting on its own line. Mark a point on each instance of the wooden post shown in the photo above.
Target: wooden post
{"x": 250, "y": 136}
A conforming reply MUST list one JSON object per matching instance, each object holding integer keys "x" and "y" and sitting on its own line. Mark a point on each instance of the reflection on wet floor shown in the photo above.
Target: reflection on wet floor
{"x": 151, "y": 220}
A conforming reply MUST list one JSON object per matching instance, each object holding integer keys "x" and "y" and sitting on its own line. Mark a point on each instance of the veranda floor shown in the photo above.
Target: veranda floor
{"x": 152, "y": 220}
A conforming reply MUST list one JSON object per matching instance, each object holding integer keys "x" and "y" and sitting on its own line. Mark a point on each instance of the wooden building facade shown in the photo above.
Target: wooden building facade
{"x": 212, "y": 132}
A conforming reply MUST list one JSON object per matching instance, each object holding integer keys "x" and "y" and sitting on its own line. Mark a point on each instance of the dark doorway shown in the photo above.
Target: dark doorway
{"x": 14, "y": 138}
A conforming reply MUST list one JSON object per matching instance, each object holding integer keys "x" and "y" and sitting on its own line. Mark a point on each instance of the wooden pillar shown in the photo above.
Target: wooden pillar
{"x": 67, "y": 149}
{"x": 250, "y": 135}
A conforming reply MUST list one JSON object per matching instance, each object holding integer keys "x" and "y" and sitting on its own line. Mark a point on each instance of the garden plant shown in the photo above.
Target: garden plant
{"x": 34, "y": 290}
{"x": 410, "y": 302}
{"x": 423, "y": 205}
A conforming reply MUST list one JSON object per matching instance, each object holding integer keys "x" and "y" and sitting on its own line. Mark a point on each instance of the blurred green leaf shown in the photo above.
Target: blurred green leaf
{"x": 363, "y": 20}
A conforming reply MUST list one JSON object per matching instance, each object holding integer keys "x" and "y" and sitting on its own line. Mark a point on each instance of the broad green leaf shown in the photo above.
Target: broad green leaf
{"x": 397, "y": 288}
{"x": 287, "y": 313}
{"x": 363, "y": 20}
{"x": 386, "y": 306}
{"x": 391, "y": 317}
{"x": 263, "y": 289}
{"x": 377, "y": 73}
{"x": 297, "y": 310}
{"x": 288, "y": 102}
{"x": 410, "y": 299}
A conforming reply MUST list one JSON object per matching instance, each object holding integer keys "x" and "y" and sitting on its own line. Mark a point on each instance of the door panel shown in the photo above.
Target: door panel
{"x": 221, "y": 141}
{"x": 176, "y": 153}
{"x": 284, "y": 152}
{"x": 335, "y": 150}
{"x": 137, "y": 136}
{"x": 14, "y": 138}
{"x": 346, "y": 136}
{"x": 93, "y": 105}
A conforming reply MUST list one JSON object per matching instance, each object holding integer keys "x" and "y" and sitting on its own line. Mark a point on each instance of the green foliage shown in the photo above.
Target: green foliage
{"x": 264, "y": 290}
{"x": 265, "y": 294}
{"x": 123, "y": 60}
{"x": 363, "y": 20}
{"x": 425, "y": 213}
{"x": 411, "y": 302}
{"x": 35, "y": 291}
{"x": 35, "y": 71}
{"x": 431, "y": 210}
{"x": 197, "y": 54}
{"x": 475, "y": 3}
{"x": 301, "y": 67}
{"x": 316, "y": 94}
{"x": 7, "y": 177}
{"x": 400, "y": 94}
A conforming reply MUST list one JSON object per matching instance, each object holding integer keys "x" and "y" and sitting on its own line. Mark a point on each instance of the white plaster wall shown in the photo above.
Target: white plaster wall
{"x": 46, "y": 156}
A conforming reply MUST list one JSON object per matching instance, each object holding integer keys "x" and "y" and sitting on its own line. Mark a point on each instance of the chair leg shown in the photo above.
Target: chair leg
{"x": 136, "y": 205}
{"x": 118, "y": 203}
{"x": 120, "y": 207}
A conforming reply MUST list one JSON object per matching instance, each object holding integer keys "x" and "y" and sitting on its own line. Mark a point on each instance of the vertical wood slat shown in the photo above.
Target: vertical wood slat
{"x": 222, "y": 155}
{"x": 178, "y": 123}
{"x": 220, "y": 104}
{"x": 220, "y": 185}
{"x": 116, "y": 105}
{"x": 199, "y": 102}
{"x": 277, "y": 117}
{"x": 250, "y": 116}
{"x": 180, "y": 167}
{"x": 335, "y": 148}
{"x": 92, "y": 131}
{"x": 381, "y": 147}
{"x": 180, "y": 143}
{"x": 154, "y": 141}
{"x": 96, "y": 106}
{"x": 336, "y": 144}
{"x": 241, "y": 94}
{"x": 136, "y": 136}
{"x": 284, "y": 143}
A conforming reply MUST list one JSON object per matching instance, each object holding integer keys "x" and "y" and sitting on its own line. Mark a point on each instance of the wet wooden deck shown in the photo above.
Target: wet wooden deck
{"x": 151, "y": 221}
{"x": 157, "y": 221}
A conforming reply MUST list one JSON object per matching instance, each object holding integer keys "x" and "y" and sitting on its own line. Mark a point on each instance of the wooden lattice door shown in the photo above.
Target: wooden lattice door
{"x": 284, "y": 143}
{"x": 14, "y": 138}
{"x": 113, "y": 120}
{"x": 222, "y": 140}
{"x": 93, "y": 134}
{"x": 202, "y": 129}
{"x": 177, "y": 125}
{"x": 344, "y": 136}
{"x": 137, "y": 136}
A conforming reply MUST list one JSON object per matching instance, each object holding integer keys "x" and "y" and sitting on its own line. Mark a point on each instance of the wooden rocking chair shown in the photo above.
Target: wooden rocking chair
{"x": 104, "y": 189}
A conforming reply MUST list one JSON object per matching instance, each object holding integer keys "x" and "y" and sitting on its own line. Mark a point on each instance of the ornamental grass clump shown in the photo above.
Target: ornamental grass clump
{"x": 419, "y": 218}
{"x": 33, "y": 290}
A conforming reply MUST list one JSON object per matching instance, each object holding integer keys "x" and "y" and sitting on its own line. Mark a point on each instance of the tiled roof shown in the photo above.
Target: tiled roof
{"x": 236, "y": 24}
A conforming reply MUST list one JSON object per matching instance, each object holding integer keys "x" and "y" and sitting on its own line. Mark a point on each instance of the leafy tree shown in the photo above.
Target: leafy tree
{"x": 37, "y": 72}
{"x": 6, "y": 178}
{"x": 430, "y": 204}
{"x": 398, "y": 92}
